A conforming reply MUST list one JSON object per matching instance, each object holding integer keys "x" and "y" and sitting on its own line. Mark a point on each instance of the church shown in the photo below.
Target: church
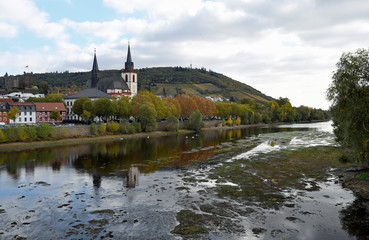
{"x": 124, "y": 85}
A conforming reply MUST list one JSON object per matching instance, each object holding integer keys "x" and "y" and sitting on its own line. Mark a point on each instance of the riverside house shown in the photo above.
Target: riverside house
{"x": 44, "y": 110}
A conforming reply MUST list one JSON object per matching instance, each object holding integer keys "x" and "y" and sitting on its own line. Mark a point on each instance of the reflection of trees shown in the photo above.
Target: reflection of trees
{"x": 355, "y": 219}
{"x": 148, "y": 154}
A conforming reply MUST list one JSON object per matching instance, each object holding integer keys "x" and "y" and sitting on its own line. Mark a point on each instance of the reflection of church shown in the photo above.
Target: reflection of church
{"x": 130, "y": 180}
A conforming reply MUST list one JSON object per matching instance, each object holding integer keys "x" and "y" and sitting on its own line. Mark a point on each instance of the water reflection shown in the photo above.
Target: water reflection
{"x": 354, "y": 219}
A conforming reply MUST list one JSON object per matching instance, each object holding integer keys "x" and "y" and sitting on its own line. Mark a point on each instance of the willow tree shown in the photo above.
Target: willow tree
{"x": 349, "y": 93}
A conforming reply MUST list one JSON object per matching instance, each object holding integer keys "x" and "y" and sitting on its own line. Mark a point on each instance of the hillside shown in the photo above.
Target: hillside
{"x": 164, "y": 81}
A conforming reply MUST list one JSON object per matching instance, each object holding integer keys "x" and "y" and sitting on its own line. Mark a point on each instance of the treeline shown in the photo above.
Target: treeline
{"x": 182, "y": 106}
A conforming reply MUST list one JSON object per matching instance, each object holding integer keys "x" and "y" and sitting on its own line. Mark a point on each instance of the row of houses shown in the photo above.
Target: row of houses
{"x": 30, "y": 112}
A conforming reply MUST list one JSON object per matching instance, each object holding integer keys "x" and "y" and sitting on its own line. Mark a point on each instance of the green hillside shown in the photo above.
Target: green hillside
{"x": 165, "y": 81}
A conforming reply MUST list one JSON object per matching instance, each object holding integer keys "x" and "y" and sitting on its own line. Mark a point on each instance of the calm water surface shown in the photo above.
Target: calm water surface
{"x": 133, "y": 189}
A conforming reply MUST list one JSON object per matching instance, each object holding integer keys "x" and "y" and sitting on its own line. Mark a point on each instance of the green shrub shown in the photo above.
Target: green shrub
{"x": 31, "y": 132}
{"x": 44, "y": 131}
{"x": 2, "y": 137}
{"x": 12, "y": 134}
{"x": 126, "y": 128}
{"x": 22, "y": 135}
{"x": 363, "y": 176}
{"x": 223, "y": 122}
{"x": 195, "y": 122}
{"x": 102, "y": 129}
{"x": 137, "y": 126}
{"x": 94, "y": 129}
{"x": 112, "y": 127}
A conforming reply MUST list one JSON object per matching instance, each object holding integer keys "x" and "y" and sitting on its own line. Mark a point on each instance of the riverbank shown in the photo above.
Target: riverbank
{"x": 17, "y": 146}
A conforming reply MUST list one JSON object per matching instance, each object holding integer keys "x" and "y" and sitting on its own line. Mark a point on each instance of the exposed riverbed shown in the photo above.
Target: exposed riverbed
{"x": 254, "y": 183}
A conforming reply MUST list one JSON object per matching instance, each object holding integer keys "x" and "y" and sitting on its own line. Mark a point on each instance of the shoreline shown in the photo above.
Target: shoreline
{"x": 19, "y": 146}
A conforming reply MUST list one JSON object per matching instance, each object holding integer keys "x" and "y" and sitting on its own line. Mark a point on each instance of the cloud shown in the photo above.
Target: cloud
{"x": 8, "y": 30}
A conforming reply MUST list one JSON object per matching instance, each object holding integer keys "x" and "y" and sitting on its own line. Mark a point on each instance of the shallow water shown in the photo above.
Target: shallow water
{"x": 133, "y": 189}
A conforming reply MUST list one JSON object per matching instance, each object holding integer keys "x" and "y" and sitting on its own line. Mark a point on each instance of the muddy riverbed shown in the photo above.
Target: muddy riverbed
{"x": 255, "y": 183}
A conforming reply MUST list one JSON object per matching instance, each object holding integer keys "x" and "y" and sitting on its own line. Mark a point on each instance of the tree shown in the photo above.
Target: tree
{"x": 55, "y": 115}
{"x": 349, "y": 93}
{"x": 103, "y": 108}
{"x": 44, "y": 87}
{"x": 195, "y": 122}
{"x": 13, "y": 113}
{"x": 78, "y": 105}
{"x": 147, "y": 116}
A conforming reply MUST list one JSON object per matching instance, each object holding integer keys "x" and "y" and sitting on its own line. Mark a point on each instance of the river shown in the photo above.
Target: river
{"x": 217, "y": 183}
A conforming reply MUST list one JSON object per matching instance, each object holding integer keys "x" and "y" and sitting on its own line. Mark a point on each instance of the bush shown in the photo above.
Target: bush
{"x": 224, "y": 122}
{"x": 31, "y": 132}
{"x": 94, "y": 129}
{"x": 195, "y": 122}
{"x": 230, "y": 121}
{"x": 238, "y": 121}
{"x": 112, "y": 127}
{"x": 44, "y": 131}
{"x": 171, "y": 124}
{"x": 22, "y": 135}
{"x": 102, "y": 129}
{"x": 126, "y": 128}
{"x": 12, "y": 134}
{"x": 2, "y": 137}
{"x": 137, "y": 126}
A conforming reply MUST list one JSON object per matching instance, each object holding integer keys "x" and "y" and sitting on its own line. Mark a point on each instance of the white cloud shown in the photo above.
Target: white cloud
{"x": 8, "y": 30}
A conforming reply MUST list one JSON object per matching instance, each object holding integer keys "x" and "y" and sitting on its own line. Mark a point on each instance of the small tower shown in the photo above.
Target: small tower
{"x": 94, "y": 72}
{"x": 129, "y": 75}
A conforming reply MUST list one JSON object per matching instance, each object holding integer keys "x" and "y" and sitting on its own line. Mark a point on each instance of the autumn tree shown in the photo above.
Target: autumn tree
{"x": 13, "y": 113}
{"x": 188, "y": 104}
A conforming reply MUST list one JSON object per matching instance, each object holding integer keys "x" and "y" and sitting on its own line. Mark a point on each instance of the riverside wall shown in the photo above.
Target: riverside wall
{"x": 85, "y": 130}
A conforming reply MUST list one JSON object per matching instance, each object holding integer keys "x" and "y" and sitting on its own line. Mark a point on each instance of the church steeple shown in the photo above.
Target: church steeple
{"x": 94, "y": 72}
{"x": 129, "y": 64}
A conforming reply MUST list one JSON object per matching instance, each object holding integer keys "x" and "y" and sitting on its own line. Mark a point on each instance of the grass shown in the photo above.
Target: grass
{"x": 363, "y": 176}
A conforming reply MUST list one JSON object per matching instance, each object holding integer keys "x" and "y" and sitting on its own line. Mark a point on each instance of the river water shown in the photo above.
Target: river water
{"x": 134, "y": 188}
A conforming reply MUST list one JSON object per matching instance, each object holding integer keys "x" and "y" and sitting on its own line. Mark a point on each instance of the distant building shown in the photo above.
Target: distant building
{"x": 44, "y": 110}
{"x": 22, "y": 97}
{"x": 27, "y": 113}
{"x": 4, "y": 109}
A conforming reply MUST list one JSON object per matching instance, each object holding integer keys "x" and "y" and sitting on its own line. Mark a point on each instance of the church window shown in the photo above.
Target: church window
{"x": 133, "y": 78}
{"x": 126, "y": 78}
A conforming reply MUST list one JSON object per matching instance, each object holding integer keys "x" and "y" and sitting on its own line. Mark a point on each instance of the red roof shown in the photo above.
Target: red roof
{"x": 48, "y": 107}
{"x": 9, "y": 100}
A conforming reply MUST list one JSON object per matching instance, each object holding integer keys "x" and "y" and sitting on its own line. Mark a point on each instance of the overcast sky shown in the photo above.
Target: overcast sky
{"x": 284, "y": 48}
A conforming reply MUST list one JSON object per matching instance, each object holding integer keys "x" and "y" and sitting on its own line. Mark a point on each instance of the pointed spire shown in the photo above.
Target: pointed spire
{"x": 129, "y": 64}
{"x": 94, "y": 72}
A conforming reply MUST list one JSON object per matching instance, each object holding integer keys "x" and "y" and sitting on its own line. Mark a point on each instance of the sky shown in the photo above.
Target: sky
{"x": 283, "y": 48}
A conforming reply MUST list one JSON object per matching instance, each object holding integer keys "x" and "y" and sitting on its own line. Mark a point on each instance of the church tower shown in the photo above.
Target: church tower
{"x": 94, "y": 72}
{"x": 129, "y": 75}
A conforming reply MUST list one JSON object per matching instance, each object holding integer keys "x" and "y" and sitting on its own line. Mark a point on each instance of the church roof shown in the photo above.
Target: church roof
{"x": 90, "y": 93}
{"x": 112, "y": 83}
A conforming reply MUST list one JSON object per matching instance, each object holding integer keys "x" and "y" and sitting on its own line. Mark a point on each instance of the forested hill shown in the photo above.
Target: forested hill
{"x": 165, "y": 81}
